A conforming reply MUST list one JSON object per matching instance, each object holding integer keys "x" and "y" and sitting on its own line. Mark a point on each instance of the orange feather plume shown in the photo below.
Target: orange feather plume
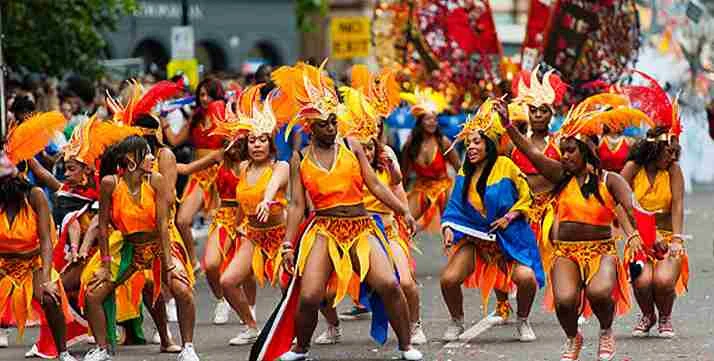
{"x": 24, "y": 141}
{"x": 248, "y": 98}
{"x": 361, "y": 78}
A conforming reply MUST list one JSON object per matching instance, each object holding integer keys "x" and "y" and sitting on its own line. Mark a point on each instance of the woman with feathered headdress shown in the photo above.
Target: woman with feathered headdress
{"x": 485, "y": 229}
{"x": 260, "y": 192}
{"x": 332, "y": 172}
{"x": 76, "y": 207}
{"x": 653, "y": 172}
{"x": 425, "y": 154}
{"x": 585, "y": 264}
{"x": 26, "y": 235}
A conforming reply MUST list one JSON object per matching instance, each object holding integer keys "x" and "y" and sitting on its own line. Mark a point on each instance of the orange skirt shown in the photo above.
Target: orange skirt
{"x": 491, "y": 270}
{"x": 396, "y": 229}
{"x": 587, "y": 256}
{"x": 432, "y": 195}
{"x": 536, "y": 214}
{"x": 17, "y": 303}
{"x": 266, "y": 255}
{"x": 206, "y": 180}
{"x": 225, "y": 222}
{"x": 683, "y": 280}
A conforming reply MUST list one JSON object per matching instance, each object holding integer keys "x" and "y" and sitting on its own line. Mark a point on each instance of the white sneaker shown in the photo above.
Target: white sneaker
{"x": 293, "y": 356}
{"x": 418, "y": 336}
{"x": 171, "y": 313}
{"x": 495, "y": 319}
{"x": 456, "y": 328}
{"x": 221, "y": 312}
{"x": 188, "y": 353}
{"x": 65, "y": 356}
{"x": 97, "y": 354}
{"x": 331, "y": 336}
{"x": 156, "y": 338}
{"x": 33, "y": 352}
{"x": 525, "y": 332}
{"x": 247, "y": 337}
{"x": 4, "y": 339}
{"x": 411, "y": 355}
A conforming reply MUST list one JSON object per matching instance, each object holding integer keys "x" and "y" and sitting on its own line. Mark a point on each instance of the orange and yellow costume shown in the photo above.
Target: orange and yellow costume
{"x": 225, "y": 217}
{"x": 657, "y": 197}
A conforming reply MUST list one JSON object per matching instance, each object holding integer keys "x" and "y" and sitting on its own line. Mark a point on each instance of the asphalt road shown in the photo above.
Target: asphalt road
{"x": 693, "y": 319}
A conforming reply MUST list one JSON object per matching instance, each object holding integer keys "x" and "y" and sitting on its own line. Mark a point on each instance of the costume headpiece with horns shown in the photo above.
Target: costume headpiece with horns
{"x": 25, "y": 140}
{"x": 92, "y": 137}
{"x": 140, "y": 102}
{"x": 486, "y": 121}
{"x": 359, "y": 118}
{"x": 381, "y": 90}
{"x": 589, "y": 117}
{"x": 425, "y": 101}
{"x": 310, "y": 90}
{"x": 655, "y": 102}
{"x": 252, "y": 116}
{"x": 529, "y": 90}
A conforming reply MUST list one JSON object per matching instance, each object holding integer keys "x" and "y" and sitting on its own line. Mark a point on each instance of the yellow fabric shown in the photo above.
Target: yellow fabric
{"x": 250, "y": 195}
{"x": 342, "y": 235}
{"x": 504, "y": 168}
{"x": 266, "y": 255}
{"x": 655, "y": 197}
{"x": 371, "y": 203}
{"x": 21, "y": 236}
{"x": 16, "y": 277}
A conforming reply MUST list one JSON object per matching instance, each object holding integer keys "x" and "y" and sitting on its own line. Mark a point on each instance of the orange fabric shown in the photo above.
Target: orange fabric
{"x": 265, "y": 255}
{"x": 340, "y": 186}
{"x": 371, "y": 203}
{"x": 206, "y": 180}
{"x": 432, "y": 195}
{"x": 613, "y": 160}
{"x": 435, "y": 169}
{"x": 128, "y": 216}
{"x": 550, "y": 151}
{"x": 587, "y": 255}
{"x": 21, "y": 236}
{"x": 492, "y": 270}
{"x": 226, "y": 223}
{"x": 250, "y": 195}
{"x": 655, "y": 197}
{"x": 573, "y": 207}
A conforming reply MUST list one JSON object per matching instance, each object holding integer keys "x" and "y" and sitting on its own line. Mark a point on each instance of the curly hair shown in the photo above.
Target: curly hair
{"x": 646, "y": 151}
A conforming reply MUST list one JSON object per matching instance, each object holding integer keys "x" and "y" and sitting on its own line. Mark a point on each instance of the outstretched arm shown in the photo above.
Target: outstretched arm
{"x": 549, "y": 168}
{"x": 200, "y": 164}
{"x": 278, "y": 181}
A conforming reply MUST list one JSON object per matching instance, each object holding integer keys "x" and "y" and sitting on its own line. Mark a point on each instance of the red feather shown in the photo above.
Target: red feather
{"x": 216, "y": 110}
{"x": 160, "y": 91}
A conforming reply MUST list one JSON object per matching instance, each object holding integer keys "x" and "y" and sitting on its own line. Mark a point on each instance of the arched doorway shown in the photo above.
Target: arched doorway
{"x": 211, "y": 56}
{"x": 154, "y": 54}
{"x": 267, "y": 51}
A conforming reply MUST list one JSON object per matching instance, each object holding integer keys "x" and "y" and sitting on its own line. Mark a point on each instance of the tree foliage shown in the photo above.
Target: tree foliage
{"x": 54, "y": 37}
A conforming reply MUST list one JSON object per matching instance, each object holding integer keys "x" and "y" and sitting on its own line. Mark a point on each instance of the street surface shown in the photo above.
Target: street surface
{"x": 693, "y": 319}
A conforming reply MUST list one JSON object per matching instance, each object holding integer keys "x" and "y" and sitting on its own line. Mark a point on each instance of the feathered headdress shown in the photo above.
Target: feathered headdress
{"x": 25, "y": 140}
{"x": 589, "y": 117}
{"x": 92, "y": 137}
{"x": 655, "y": 102}
{"x": 382, "y": 90}
{"x": 529, "y": 90}
{"x": 140, "y": 102}
{"x": 425, "y": 101}
{"x": 309, "y": 89}
{"x": 517, "y": 113}
{"x": 486, "y": 121}
{"x": 252, "y": 116}
{"x": 359, "y": 118}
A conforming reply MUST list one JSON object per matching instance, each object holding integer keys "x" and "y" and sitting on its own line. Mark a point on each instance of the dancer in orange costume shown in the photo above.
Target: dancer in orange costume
{"x": 332, "y": 172}
{"x": 424, "y": 154}
{"x": 28, "y": 283}
{"x": 585, "y": 274}
{"x": 260, "y": 192}
{"x": 200, "y": 192}
{"x": 76, "y": 206}
{"x": 656, "y": 178}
